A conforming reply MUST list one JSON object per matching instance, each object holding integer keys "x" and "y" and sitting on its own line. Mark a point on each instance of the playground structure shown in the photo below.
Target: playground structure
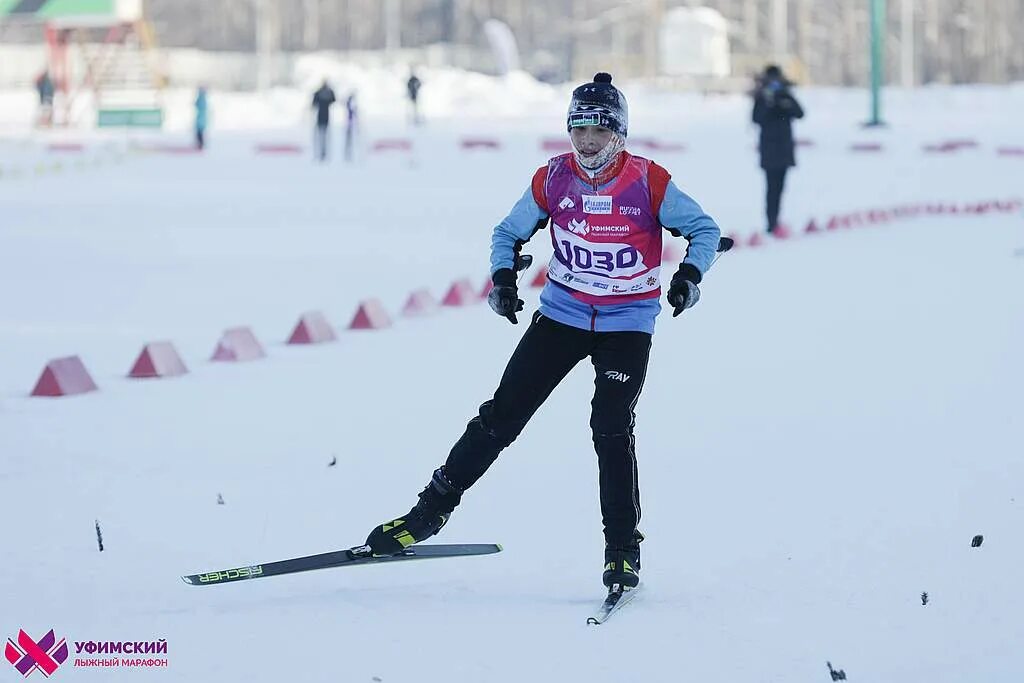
{"x": 101, "y": 61}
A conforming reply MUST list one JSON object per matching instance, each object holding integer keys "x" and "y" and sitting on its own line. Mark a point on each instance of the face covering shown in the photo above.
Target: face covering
{"x": 597, "y": 161}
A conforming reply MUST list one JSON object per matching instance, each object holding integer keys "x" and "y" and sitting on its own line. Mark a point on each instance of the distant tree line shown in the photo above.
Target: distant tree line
{"x": 825, "y": 41}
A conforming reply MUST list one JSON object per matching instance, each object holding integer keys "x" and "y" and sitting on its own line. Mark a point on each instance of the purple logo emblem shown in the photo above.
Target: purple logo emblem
{"x": 27, "y": 655}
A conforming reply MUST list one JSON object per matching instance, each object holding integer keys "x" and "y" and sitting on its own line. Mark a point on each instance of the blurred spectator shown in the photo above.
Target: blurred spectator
{"x": 775, "y": 107}
{"x": 322, "y": 101}
{"x": 45, "y": 89}
{"x": 413, "y": 87}
{"x": 201, "y": 117}
{"x": 352, "y": 112}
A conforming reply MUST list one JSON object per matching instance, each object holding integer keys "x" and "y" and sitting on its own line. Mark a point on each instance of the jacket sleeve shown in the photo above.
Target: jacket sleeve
{"x": 795, "y": 111}
{"x": 682, "y": 215}
{"x": 760, "y": 114}
{"x": 526, "y": 218}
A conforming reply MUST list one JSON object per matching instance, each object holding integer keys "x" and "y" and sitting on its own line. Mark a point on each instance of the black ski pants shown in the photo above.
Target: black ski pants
{"x": 321, "y": 141}
{"x": 775, "y": 181}
{"x": 545, "y": 355}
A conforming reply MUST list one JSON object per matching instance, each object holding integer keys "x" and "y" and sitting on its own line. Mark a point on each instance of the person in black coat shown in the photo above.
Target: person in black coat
{"x": 775, "y": 107}
{"x": 323, "y": 99}
{"x": 413, "y": 87}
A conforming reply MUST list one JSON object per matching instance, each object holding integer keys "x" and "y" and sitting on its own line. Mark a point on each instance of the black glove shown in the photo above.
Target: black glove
{"x": 504, "y": 298}
{"x": 683, "y": 291}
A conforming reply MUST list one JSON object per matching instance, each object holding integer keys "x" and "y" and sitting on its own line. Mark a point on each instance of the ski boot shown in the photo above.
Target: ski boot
{"x": 622, "y": 563}
{"x": 426, "y": 518}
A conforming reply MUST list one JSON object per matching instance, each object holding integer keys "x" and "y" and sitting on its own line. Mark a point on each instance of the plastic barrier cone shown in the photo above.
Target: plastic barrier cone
{"x": 312, "y": 328}
{"x": 812, "y": 228}
{"x": 486, "y": 289}
{"x": 64, "y": 377}
{"x": 159, "y": 359}
{"x": 756, "y": 240}
{"x": 781, "y": 232}
{"x": 370, "y": 316}
{"x": 737, "y": 241}
{"x": 420, "y": 302}
{"x": 238, "y": 344}
{"x": 461, "y": 293}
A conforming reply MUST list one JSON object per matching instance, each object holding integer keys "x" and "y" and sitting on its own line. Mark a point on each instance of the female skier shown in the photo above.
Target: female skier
{"x": 606, "y": 209}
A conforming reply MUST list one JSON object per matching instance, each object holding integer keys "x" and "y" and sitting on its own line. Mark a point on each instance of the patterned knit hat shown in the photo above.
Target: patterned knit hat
{"x": 599, "y": 104}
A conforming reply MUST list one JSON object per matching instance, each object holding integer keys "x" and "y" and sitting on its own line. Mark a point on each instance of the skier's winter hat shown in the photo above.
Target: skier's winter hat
{"x": 599, "y": 104}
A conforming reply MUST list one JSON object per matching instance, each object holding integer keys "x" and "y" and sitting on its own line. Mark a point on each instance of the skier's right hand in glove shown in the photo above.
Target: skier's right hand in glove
{"x": 504, "y": 298}
{"x": 683, "y": 291}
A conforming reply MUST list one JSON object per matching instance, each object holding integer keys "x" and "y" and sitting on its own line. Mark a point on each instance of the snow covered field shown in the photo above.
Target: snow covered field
{"x": 819, "y": 439}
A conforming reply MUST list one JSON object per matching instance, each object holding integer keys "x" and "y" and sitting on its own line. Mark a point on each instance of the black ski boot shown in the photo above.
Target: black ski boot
{"x": 622, "y": 563}
{"x": 437, "y": 501}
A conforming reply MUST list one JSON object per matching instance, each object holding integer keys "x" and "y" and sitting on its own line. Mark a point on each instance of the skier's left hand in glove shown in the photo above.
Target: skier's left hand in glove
{"x": 683, "y": 291}
{"x": 504, "y": 298}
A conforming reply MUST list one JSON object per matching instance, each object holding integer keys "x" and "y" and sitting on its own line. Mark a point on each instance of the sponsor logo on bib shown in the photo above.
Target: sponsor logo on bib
{"x": 578, "y": 227}
{"x": 596, "y": 204}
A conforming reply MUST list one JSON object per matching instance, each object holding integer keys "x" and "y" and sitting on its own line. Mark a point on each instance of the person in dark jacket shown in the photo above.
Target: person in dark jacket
{"x": 413, "y": 86}
{"x": 775, "y": 107}
{"x": 46, "y": 90}
{"x": 322, "y": 101}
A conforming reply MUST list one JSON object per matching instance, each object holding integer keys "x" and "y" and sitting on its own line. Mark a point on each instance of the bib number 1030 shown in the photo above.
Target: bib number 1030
{"x": 623, "y": 261}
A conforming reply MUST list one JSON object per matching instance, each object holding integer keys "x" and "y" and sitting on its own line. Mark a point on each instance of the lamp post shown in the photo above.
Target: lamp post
{"x": 877, "y": 60}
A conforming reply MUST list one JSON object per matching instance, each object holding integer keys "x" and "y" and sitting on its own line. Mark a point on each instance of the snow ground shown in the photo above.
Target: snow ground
{"x": 819, "y": 439}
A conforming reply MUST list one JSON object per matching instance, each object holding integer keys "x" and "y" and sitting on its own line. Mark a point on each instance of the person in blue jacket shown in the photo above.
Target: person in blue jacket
{"x": 608, "y": 211}
{"x": 202, "y": 117}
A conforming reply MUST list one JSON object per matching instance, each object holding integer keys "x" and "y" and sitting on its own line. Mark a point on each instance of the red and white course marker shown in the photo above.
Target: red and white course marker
{"x": 541, "y": 278}
{"x": 461, "y": 293}
{"x": 159, "y": 359}
{"x": 558, "y": 145}
{"x": 480, "y": 143}
{"x": 66, "y": 147}
{"x": 420, "y": 302}
{"x": 312, "y": 328}
{"x": 392, "y": 145}
{"x": 279, "y": 148}
{"x": 370, "y": 315}
{"x": 237, "y": 345}
{"x": 64, "y": 377}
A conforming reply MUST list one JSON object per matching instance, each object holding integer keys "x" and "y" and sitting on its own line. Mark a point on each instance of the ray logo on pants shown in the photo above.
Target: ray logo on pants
{"x": 44, "y": 656}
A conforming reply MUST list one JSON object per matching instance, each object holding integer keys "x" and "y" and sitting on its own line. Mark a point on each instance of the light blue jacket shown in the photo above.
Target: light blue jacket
{"x": 202, "y": 110}
{"x": 678, "y": 213}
